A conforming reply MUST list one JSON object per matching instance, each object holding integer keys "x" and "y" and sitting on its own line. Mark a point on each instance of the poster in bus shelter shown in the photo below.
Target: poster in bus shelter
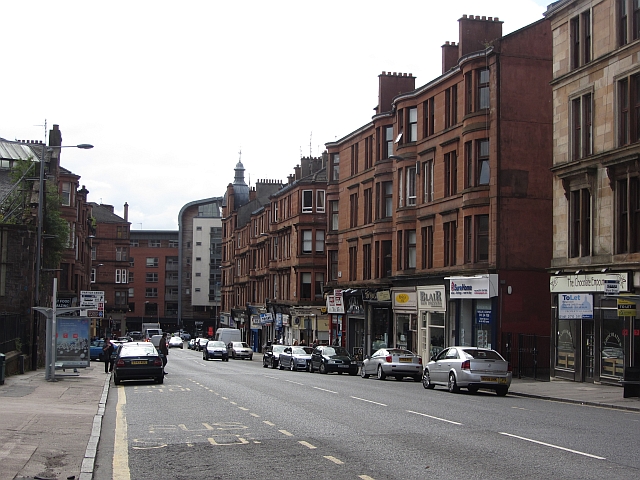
{"x": 72, "y": 342}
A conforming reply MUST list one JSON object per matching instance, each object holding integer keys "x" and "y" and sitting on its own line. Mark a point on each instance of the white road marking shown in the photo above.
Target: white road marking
{"x": 307, "y": 444}
{"x": 334, "y": 460}
{"x": 325, "y": 390}
{"x": 284, "y": 432}
{"x": 553, "y": 446}
{"x": 370, "y": 401}
{"x": 365, "y": 477}
{"x": 435, "y": 418}
{"x": 243, "y": 408}
{"x": 255, "y": 415}
{"x": 296, "y": 383}
{"x": 269, "y": 423}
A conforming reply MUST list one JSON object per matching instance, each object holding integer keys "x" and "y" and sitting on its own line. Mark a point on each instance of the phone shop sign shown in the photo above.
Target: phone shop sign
{"x": 572, "y": 306}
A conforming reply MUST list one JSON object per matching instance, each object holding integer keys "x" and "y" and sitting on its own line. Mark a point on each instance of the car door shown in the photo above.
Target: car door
{"x": 376, "y": 359}
{"x": 436, "y": 369}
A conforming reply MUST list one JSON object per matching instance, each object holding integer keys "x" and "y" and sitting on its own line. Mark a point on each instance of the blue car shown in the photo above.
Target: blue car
{"x": 95, "y": 349}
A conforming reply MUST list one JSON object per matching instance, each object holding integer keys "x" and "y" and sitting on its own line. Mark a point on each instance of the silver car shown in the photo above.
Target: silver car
{"x": 240, "y": 350}
{"x": 295, "y": 358}
{"x": 394, "y": 362}
{"x": 468, "y": 367}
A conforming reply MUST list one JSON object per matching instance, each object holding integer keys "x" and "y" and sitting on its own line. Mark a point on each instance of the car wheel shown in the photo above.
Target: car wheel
{"x": 264, "y": 364}
{"x": 311, "y": 369}
{"x": 292, "y": 366}
{"x": 353, "y": 373}
{"x": 273, "y": 363}
{"x": 280, "y": 366}
{"x": 381, "y": 374}
{"x": 502, "y": 391}
{"x": 251, "y": 357}
{"x": 398, "y": 378}
{"x": 362, "y": 372}
{"x": 417, "y": 378}
{"x": 472, "y": 389}
{"x": 116, "y": 380}
{"x": 160, "y": 380}
{"x": 426, "y": 380}
{"x": 452, "y": 385}
{"x": 323, "y": 368}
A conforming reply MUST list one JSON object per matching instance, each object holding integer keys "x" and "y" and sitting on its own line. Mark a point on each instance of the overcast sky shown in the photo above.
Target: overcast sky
{"x": 169, "y": 92}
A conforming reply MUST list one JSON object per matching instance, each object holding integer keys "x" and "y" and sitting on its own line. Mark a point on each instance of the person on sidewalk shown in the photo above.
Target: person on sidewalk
{"x": 107, "y": 351}
{"x": 164, "y": 350}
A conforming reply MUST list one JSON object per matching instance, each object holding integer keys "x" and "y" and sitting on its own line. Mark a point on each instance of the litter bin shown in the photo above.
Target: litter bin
{"x": 631, "y": 382}
{"x": 2, "y": 357}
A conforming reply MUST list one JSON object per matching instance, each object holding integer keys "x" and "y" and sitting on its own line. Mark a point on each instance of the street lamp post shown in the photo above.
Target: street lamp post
{"x": 41, "y": 197}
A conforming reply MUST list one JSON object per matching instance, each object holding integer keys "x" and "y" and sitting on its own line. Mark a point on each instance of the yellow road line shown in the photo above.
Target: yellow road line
{"x": 121, "y": 442}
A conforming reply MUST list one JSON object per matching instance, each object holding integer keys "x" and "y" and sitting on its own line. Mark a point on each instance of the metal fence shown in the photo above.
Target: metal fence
{"x": 528, "y": 355}
{"x": 12, "y": 332}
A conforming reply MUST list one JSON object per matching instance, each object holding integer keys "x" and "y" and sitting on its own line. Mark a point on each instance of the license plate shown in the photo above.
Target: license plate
{"x": 494, "y": 379}
{"x": 138, "y": 362}
{"x": 343, "y": 366}
{"x": 406, "y": 360}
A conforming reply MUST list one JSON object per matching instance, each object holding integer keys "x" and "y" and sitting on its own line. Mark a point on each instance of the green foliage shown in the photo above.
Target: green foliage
{"x": 15, "y": 207}
{"x": 55, "y": 229}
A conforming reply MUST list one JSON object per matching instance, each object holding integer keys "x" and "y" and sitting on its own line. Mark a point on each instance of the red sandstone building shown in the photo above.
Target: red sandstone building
{"x": 439, "y": 209}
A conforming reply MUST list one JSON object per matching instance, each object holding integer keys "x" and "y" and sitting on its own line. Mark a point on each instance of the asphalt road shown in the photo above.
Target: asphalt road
{"x": 236, "y": 419}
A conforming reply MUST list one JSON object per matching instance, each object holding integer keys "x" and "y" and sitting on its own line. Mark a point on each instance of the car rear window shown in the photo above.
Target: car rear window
{"x": 397, "y": 351}
{"x": 216, "y": 343}
{"x": 482, "y": 354}
{"x": 137, "y": 350}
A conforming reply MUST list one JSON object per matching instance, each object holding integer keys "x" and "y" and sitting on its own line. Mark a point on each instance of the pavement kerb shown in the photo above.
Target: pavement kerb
{"x": 88, "y": 463}
{"x": 575, "y": 402}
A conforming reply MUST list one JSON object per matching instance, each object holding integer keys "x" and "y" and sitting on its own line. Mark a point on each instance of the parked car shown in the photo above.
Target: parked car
{"x": 271, "y": 355}
{"x": 327, "y": 359}
{"x": 295, "y": 358}
{"x": 136, "y": 336}
{"x": 394, "y": 362}
{"x": 175, "y": 342}
{"x": 215, "y": 349}
{"x": 185, "y": 336}
{"x": 240, "y": 350}
{"x": 136, "y": 361}
{"x": 201, "y": 342}
{"x": 468, "y": 367}
{"x": 192, "y": 344}
{"x": 95, "y": 349}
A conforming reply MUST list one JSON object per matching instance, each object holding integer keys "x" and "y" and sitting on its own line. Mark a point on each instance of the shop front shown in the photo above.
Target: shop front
{"x": 432, "y": 308}
{"x": 472, "y": 318}
{"x": 405, "y": 315}
{"x": 595, "y": 330}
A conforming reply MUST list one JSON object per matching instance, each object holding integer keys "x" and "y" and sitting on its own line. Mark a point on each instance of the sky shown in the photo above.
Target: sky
{"x": 172, "y": 94}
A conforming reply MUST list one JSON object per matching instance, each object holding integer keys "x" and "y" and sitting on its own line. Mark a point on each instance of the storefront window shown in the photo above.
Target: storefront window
{"x": 566, "y": 342}
{"x": 402, "y": 330}
{"x": 612, "y": 345}
{"x": 380, "y": 329}
{"x": 483, "y": 323}
{"x": 436, "y": 334}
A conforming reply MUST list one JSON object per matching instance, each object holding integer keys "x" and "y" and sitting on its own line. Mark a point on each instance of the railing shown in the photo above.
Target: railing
{"x": 11, "y": 332}
{"x": 528, "y": 355}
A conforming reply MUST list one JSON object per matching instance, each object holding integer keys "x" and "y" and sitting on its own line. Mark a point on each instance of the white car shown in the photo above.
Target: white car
{"x": 240, "y": 350}
{"x": 175, "y": 342}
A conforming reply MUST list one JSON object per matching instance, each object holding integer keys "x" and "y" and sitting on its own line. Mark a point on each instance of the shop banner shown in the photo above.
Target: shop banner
{"x": 481, "y": 286}
{"x": 575, "y": 306}
{"x": 72, "y": 342}
{"x": 405, "y": 300}
{"x": 592, "y": 282}
{"x": 335, "y": 304}
{"x": 432, "y": 299}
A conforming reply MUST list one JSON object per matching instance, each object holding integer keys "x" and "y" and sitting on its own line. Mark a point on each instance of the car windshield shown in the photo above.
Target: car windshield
{"x": 399, "y": 351}
{"x": 336, "y": 351}
{"x": 482, "y": 354}
{"x": 137, "y": 350}
{"x": 301, "y": 350}
{"x": 278, "y": 348}
{"x": 216, "y": 343}
{"x": 240, "y": 345}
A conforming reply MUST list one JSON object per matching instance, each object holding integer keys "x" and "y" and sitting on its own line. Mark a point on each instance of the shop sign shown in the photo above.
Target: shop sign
{"x": 481, "y": 286}
{"x": 589, "y": 282}
{"x": 405, "y": 300}
{"x": 383, "y": 296}
{"x": 355, "y": 305}
{"x": 278, "y": 321}
{"x": 335, "y": 304}
{"x": 575, "y": 306}
{"x": 626, "y": 308}
{"x": 483, "y": 316}
{"x": 256, "y": 321}
{"x": 286, "y": 320}
{"x": 266, "y": 319}
{"x": 432, "y": 299}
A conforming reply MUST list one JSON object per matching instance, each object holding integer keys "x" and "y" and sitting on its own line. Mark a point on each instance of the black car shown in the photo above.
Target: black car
{"x": 327, "y": 359}
{"x": 137, "y": 361}
{"x": 215, "y": 349}
{"x": 271, "y": 355}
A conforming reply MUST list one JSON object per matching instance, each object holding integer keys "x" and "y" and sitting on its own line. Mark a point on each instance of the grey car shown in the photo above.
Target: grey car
{"x": 468, "y": 367}
{"x": 295, "y": 358}
{"x": 394, "y": 362}
{"x": 240, "y": 350}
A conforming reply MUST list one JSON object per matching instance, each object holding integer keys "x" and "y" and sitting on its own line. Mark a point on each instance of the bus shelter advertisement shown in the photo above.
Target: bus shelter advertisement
{"x": 72, "y": 342}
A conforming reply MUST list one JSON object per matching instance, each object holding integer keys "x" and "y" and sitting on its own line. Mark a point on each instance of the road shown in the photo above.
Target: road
{"x": 236, "y": 419}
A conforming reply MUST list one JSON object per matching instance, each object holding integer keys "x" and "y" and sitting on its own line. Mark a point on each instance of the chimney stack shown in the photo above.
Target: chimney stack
{"x": 450, "y": 56}
{"x": 126, "y": 212}
{"x": 477, "y": 33}
{"x": 390, "y": 85}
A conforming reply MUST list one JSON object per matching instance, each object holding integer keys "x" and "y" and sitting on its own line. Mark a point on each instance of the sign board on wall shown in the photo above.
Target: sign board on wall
{"x": 591, "y": 282}
{"x": 575, "y": 306}
{"x": 335, "y": 304}
{"x": 405, "y": 299}
{"x": 480, "y": 286}
{"x": 432, "y": 299}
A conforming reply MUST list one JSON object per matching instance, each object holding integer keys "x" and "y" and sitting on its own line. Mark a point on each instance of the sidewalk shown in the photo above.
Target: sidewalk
{"x": 50, "y": 430}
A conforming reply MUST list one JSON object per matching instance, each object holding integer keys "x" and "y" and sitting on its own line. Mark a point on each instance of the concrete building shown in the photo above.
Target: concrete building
{"x": 439, "y": 209}
{"x": 199, "y": 265}
{"x": 596, "y": 185}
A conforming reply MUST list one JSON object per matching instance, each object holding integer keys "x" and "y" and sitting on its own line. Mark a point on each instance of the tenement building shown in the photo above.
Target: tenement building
{"x": 439, "y": 209}
{"x": 596, "y": 188}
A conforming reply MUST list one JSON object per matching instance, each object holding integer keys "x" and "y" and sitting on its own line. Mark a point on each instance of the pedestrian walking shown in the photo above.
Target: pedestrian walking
{"x": 107, "y": 351}
{"x": 164, "y": 350}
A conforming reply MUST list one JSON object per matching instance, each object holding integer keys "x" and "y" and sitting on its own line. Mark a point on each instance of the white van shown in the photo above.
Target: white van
{"x": 227, "y": 335}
